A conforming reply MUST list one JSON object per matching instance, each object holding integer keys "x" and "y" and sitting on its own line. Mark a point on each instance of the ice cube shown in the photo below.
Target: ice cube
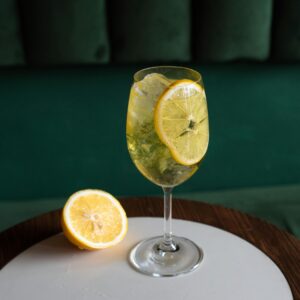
{"x": 153, "y": 85}
{"x": 146, "y": 93}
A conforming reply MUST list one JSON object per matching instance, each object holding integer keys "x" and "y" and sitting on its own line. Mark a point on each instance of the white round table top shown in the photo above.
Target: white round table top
{"x": 232, "y": 269}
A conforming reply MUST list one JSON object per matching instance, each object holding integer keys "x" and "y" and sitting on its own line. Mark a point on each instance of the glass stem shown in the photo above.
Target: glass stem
{"x": 167, "y": 244}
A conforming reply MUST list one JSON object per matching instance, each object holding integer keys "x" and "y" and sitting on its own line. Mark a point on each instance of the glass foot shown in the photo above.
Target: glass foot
{"x": 149, "y": 258}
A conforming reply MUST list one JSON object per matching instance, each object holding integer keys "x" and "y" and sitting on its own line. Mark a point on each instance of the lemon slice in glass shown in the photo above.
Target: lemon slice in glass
{"x": 181, "y": 121}
{"x": 94, "y": 219}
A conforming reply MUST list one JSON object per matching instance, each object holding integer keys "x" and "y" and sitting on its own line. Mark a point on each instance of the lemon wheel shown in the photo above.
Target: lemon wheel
{"x": 181, "y": 121}
{"x": 94, "y": 219}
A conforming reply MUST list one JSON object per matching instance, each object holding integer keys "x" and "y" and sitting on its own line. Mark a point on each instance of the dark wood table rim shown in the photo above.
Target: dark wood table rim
{"x": 280, "y": 246}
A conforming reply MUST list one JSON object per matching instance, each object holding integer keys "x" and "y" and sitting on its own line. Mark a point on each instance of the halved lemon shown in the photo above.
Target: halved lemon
{"x": 94, "y": 219}
{"x": 181, "y": 121}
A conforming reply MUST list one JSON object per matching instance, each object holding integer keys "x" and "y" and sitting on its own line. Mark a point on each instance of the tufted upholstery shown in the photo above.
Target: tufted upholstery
{"x": 100, "y": 31}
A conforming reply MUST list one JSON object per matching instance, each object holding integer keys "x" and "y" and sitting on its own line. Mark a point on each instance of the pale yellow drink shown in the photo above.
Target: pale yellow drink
{"x": 148, "y": 150}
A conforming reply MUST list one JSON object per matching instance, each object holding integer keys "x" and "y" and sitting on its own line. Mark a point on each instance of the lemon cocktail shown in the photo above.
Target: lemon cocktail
{"x": 167, "y": 128}
{"x": 167, "y": 137}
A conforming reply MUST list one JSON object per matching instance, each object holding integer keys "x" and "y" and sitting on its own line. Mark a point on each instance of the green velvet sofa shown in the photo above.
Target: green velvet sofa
{"x": 65, "y": 72}
{"x": 63, "y": 129}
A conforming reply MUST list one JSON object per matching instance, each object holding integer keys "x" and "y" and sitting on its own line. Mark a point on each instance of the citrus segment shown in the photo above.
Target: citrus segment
{"x": 181, "y": 121}
{"x": 94, "y": 219}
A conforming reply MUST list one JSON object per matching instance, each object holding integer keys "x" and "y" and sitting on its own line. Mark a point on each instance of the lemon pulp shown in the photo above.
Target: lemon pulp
{"x": 94, "y": 219}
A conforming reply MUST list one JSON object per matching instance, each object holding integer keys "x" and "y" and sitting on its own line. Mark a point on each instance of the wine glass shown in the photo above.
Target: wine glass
{"x": 167, "y": 137}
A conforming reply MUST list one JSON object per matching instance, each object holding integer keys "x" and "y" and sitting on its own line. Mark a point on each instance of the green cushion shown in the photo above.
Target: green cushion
{"x": 11, "y": 49}
{"x": 286, "y": 35}
{"x": 150, "y": 30}
{"x": 232, "y": 29}
{"x": 279, "y": 205}
{"x": 66, "y": 31}
{"x": 14, "y": 212}
{"x": 64, "y": 129}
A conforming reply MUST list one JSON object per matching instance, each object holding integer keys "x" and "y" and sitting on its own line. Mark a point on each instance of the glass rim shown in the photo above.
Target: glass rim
{"x": 196, "y": 73}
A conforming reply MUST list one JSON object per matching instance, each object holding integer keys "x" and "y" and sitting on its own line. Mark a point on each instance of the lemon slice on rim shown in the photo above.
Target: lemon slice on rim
{"x": 94, "y": 219}
{"x": 181, "y": 121}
